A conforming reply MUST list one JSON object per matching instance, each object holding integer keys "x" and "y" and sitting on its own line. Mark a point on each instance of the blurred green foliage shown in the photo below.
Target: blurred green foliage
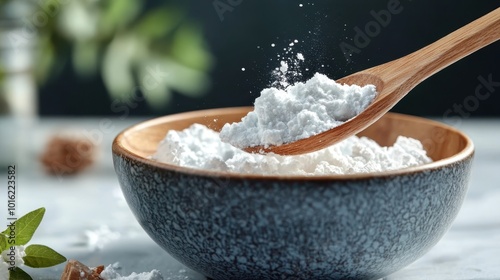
{"x": 158, "y": 50}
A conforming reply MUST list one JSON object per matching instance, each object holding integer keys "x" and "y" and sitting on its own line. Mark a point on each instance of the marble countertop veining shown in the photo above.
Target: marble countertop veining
{"x": 87, "y": 217}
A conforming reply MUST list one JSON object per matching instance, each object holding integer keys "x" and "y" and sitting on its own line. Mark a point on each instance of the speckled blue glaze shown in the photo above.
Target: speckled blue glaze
{"x": 268, "y": 228}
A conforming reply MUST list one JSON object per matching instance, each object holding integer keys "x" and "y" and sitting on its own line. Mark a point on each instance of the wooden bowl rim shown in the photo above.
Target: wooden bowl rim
{"x": 119, "y": 150}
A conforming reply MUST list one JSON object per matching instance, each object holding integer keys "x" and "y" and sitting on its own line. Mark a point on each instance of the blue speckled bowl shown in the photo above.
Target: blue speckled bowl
{"x": 230, "y": 226}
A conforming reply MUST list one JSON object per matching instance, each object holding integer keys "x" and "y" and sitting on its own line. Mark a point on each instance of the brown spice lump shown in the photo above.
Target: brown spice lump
{"x": 67, "y": 156}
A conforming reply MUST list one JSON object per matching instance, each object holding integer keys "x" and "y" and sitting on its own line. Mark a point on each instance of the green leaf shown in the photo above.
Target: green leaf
{"x": 3, "y": 242}
{"x": 47, "y": 64}
{"x": 189, "y": 47}
{"x": 85, "y": 58}
{"x": 116, "y": 15}
{"x": 159, "y": 22}
{"x": 42, "y": 256}
{"x": 26, "y": 226}
{"x": 19, "y": 274}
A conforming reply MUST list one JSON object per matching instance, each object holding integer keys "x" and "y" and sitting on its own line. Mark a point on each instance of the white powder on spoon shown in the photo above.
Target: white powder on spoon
{"x": 201, "y": 148}
{"x": 300, "y": 111}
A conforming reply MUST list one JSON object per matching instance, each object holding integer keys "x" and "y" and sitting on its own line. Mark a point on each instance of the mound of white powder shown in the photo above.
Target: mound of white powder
{"x": 201, "y": 148}
{"x": 297, "y": 112}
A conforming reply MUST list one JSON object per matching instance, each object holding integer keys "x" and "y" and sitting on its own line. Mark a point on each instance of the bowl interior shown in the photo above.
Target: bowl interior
{"x": 440, "y": 141}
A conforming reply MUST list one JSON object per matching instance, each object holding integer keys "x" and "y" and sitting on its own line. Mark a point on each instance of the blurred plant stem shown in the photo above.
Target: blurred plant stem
{"x": 18, "y": 90}
{"x": 17, "y": 86}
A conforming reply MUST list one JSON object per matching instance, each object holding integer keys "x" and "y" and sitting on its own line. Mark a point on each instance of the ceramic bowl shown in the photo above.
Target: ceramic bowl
{"x": 234, "y": 226}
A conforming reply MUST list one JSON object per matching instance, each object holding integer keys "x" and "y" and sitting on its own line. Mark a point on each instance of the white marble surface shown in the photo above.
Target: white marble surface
{"x": 87, "y": 218}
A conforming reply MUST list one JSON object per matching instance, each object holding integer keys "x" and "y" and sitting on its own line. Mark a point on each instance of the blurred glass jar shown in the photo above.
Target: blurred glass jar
{"x": 18, "y": 91}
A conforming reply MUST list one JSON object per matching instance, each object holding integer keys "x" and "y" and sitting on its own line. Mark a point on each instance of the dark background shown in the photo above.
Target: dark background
{"x": 322, "y": 25}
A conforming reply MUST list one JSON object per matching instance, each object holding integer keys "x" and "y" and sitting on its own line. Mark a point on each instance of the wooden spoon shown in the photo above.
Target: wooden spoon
{"x": 393, "y": 80}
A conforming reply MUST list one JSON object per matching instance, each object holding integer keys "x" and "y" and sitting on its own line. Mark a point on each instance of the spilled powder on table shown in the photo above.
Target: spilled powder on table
{"x": 110, "y": 273}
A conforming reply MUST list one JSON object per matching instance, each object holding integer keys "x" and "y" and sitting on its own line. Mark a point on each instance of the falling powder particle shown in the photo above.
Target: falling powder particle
{"x": 289, "y": 71}
{"x": 300, "y": 5}
{"x": 243, "y": 69}
{"x": 273, "y": 45}
{"x": 284, "y": 67}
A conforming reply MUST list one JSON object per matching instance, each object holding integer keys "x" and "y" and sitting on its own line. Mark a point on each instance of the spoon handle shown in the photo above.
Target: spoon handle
{"x": 419, "y": 65}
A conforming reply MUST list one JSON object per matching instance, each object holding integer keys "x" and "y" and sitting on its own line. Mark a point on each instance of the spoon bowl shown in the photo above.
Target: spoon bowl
{"x": 394, "y": 80}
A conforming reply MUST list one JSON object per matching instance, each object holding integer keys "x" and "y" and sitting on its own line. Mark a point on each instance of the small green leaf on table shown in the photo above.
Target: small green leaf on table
{"x": 42, "y": 256}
